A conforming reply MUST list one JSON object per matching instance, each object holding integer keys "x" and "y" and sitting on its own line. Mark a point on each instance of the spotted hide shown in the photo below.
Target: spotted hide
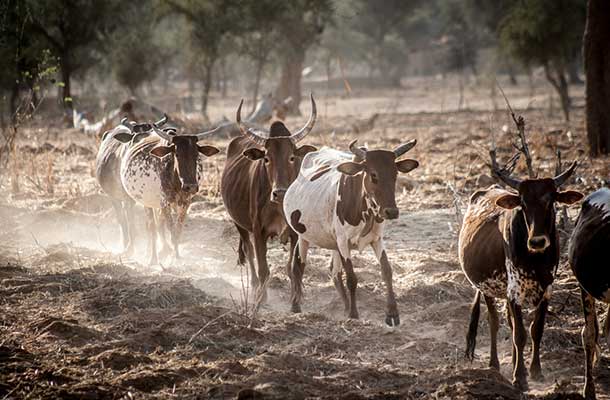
{"x": 162, "y": 172}
{"x": 340, "y": 202}
{"x": 509, "y": 249}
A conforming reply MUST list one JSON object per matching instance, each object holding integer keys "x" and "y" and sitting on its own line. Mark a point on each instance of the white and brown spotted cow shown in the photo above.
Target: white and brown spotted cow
{"x": 340, "y": 202}
{"x": 162, "y": 171}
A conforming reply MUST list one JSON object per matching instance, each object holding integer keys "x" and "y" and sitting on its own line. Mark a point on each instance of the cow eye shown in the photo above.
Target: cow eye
{"x": 374, "y": 177}
{"x": 291, "y": 159}
{"x": 266, "y": 160}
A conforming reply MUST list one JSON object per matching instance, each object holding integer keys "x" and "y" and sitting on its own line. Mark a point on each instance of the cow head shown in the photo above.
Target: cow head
{"x": 185, "y": 149}
{"x": 380, "y": 169}
{"x": 278, "y": 151}
{"x": 537, "y": 198}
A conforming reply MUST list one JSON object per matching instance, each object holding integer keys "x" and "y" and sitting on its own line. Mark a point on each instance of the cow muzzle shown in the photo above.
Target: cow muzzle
{"x": 190, "y": 188}
{"x": 538, "y": 244}
{"x": 277, "y": 196}
{"x": 390, "y": 213}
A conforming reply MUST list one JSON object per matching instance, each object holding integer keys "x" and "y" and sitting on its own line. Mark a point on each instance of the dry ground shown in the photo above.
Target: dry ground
{"x": 79, "y": 321}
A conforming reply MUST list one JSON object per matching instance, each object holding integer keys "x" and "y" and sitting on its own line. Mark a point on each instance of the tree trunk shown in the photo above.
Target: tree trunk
{"x": 290, "y": 80}
{"x": 257, "y": 82}
{"x": 207, "y": 85}
{"x": 66, "y": 94}
{"x": 560, "y": 83}
{"x": 596, "y": 55}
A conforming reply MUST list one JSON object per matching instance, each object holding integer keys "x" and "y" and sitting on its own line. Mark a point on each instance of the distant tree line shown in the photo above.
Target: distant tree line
{"x": 135, "y": 42}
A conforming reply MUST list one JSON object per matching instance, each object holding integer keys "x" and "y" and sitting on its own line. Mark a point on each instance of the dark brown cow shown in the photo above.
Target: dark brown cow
{"x": 260, "y": 166}
{"x": 588, "y": 254}
{"x": 509, "y": 248}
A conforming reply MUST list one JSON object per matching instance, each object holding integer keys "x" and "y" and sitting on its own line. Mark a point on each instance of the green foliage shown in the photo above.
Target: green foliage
{"x": 543, "y": 31}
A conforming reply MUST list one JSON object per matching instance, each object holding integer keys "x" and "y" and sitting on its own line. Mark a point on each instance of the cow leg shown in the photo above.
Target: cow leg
{"x": 509, "y": 318}
{"x": 519, "y": 340}
{"x": 391, "y": 314}
{"x": 244, "y": 251}
{"x": 336, "y": 271}
{"x": 164, "y": 228}
{"x": 260, "y": 251}
{"x": 536, "y": 329}
{"x": 296, "y": 277}
{"x": 152, "y": 236}
{"x": 289, "y": 235}
{"x": 130, "y": 224}
{"x": 494, "y": 325}
{"x": 178, "y": 226}
{"x": 606, "y": 331}
{"x": 473, "y": 326}
{"x": 120, "y": 216}
{"x": 590, "y": 334}
{"x": 350, "y": 277}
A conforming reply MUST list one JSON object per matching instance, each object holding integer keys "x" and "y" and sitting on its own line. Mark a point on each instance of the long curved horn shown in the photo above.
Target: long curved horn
{"x": 252, "y": 134}
{"x": 563, "y": 177}
{"x": 161, "y": 122}
{"x": 301, "y": 133}
{"x": 202, "y": 135}
{"x": 403, "y": 148}
{"x": 506, "y": 178}
{"x": 163, "y": 134}
{"x": 357, "y": 151}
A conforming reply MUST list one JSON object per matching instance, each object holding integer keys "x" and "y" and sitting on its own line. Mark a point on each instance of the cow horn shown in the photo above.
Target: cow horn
{"x": 163, "y": 134}
{"x": 403, "y": 148}
{"x": 252, "y": 134}
{"x": 202, "y": 135}
{"x": 506, "y": 178}
{"x": 161, "y": 122}
{"x": 301, "y": 133}
{"x": 357, "y": 151}
{"x": 563, "y": 177}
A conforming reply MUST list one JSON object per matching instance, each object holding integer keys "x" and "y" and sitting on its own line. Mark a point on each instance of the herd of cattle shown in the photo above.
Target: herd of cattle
{"x": 272, "y": 186}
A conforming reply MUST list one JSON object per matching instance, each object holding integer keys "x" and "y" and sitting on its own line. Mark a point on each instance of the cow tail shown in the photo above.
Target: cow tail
{"x": 241, "y": 252}
{"x": 471, "y": 336}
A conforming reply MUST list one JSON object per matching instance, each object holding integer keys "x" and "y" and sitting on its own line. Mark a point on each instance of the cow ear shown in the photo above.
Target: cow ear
{"x": 508, "y": 201}
{"x": 207, "y": 151}
{"x": 254, "y": 154}
{"x": 301, "y": 151}
{"x": 161, "y": 151}
{"x": 569, "y": 197}
{"x": 350, "y": 168}
{"x": 123, "y": 137}
{"x": 407, "y": 165}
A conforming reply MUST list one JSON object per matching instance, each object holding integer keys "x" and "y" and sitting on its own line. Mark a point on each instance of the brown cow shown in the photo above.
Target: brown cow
{"x": 260, "y": 166}
{"x": 509, "y": 248}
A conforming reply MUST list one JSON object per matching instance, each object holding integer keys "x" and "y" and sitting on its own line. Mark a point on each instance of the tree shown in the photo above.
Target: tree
{"x": 260, "y": 36}
{"x": 596, "y": 56}
{"x": 300, "y": 25}
{"x": 545, "y": 32}
{"x": 380, "y": 22}
{"x": 134, "y": 54}
{"x": 73, "y": 29}
{"x": 210, "y": 23}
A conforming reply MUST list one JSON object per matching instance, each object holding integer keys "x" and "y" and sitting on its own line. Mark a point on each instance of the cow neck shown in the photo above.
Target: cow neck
{"x": 170, "y": 180}
{"x": 541, "y": 265}
{"x": 354, "y": 204}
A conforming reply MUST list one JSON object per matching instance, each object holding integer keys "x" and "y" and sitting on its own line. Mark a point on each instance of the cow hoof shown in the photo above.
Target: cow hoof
{"x": 521, "y": 384}
{"x": 589, "y": 392}
{"x": 296, "y": 308}
{"x": 495, "y": 364}
{"x": 536, "y": 375}
{"x": 392, "y": 321}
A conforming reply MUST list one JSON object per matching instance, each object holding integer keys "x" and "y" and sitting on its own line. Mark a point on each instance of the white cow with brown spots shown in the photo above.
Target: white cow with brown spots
{"x": 340, "y": 202}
